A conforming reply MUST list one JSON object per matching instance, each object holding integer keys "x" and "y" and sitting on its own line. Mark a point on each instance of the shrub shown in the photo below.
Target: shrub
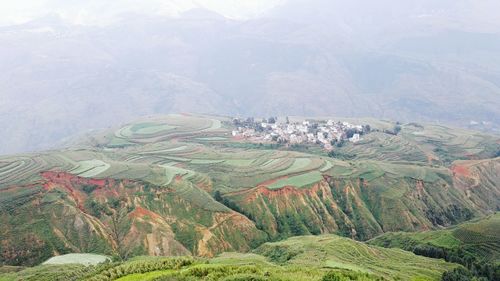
{"x": 331, "y": 276}
{"x": 89, "y": 188}
{"x": 121, "y": 270}
{"x": 457, "y": 274}
{"x": 245, "y": 277}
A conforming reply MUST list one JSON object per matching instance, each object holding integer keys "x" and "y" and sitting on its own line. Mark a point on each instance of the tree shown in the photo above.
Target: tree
{"x": 457, "y": 274}
{"x": 497, "y": 154}
{"x": 331, "y": 276}
{"x": 119, "y": 227}
{"x": 350, "y": 132}
{"x": 218, "y": 196}
{"x": 95, "y": 208}
{"x": 89, "y": 188}
{"x": 340, "y": 143}
{"x": 259, "y": 128}
{"x": 397, "y": 129}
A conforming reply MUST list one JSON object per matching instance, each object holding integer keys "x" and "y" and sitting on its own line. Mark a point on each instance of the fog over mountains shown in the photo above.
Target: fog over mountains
{"x": 435, "y": 61}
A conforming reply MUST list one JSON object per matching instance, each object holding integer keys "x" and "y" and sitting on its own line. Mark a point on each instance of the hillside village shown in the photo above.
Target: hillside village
{"x": 328, "y": 133}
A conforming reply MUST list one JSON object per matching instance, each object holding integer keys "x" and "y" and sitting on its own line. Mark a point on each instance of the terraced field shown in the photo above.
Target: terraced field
{"x": 181, "y": 185}
{"x": 480, "y": 238}
{"x": 298, "y": 258}
{"x": 431, "y": 144}
{"x": 338, "y": 252}
{"x": 167, "y": 127}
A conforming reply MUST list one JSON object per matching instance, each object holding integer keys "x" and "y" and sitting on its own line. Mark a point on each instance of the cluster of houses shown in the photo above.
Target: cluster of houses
{"x": 327, "y": 133}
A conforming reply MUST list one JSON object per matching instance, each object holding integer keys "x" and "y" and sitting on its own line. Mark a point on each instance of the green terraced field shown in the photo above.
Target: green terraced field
{"x": 183, "y": 186}
{"x": 166, "y": 127}
{"x": 426, "y": 143}
{"x": 90, "y": 168}
{"x": 298, "y": 258}
{"x": 480, "y": 238}
{"x": 337, "y": 252}
{"x": 302, "y": 180}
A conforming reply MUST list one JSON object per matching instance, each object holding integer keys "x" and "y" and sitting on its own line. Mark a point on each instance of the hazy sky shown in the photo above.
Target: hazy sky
{"x": 99, "y": 12}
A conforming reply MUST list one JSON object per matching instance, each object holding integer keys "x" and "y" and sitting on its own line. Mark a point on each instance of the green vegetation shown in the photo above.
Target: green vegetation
{"x": 90, "y": 168}
{"x": 475, "y": 245}
{"x": 337, "y": 252}
{"x": 300, "y": 258}
{"x": 431, "y": 144}
{"x": 302, "y": 180}
{"x": 181, "y": 185}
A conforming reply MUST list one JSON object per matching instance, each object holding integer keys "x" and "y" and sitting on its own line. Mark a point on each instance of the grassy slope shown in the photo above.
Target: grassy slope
{"x": 298, "y": 258}
{"x": 337, "y": 252}
{"x": 480, "y": 238}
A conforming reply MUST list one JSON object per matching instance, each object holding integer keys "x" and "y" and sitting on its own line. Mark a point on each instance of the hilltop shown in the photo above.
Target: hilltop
{"x": 182, "y": 185}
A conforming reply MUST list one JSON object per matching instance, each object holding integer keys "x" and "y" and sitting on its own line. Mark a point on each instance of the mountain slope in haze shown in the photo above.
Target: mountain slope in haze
{"x": 181, "y": 184}
{"x": 432, "y": 62}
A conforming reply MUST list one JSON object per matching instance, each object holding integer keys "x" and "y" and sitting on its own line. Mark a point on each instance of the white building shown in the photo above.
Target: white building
{"x": 355, "y": 138}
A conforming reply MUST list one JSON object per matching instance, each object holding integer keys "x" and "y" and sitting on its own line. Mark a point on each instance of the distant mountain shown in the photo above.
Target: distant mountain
{"x": 432, "y": 62}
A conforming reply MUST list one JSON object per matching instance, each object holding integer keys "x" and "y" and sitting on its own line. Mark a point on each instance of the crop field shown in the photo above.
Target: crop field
{"x": 172, "y": 171}
{"x": 337, "y": 252}
{"x": 239, "y": 162}
{"x": 185, "y": 191}
{"x": 211, "y": 139}
{"x": 205, "y": 161}
{"x": 249, "y": 168}
{"x": 301, "y": 180}
{"x": 85, "y": 259}
{"x": 385, "y": 147}
{"x": 327, "y": 166}
{"x": 299, "y": 258}
{"x": 481, "y": 238}
{"x": 24, "y": 169}
{"x": 90, "y": 168}
{"x": 169, "y": 127}
{"x": 449, "y": 145}
{"x": 431, "y": 144}
{"x": 267, "y": 165}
